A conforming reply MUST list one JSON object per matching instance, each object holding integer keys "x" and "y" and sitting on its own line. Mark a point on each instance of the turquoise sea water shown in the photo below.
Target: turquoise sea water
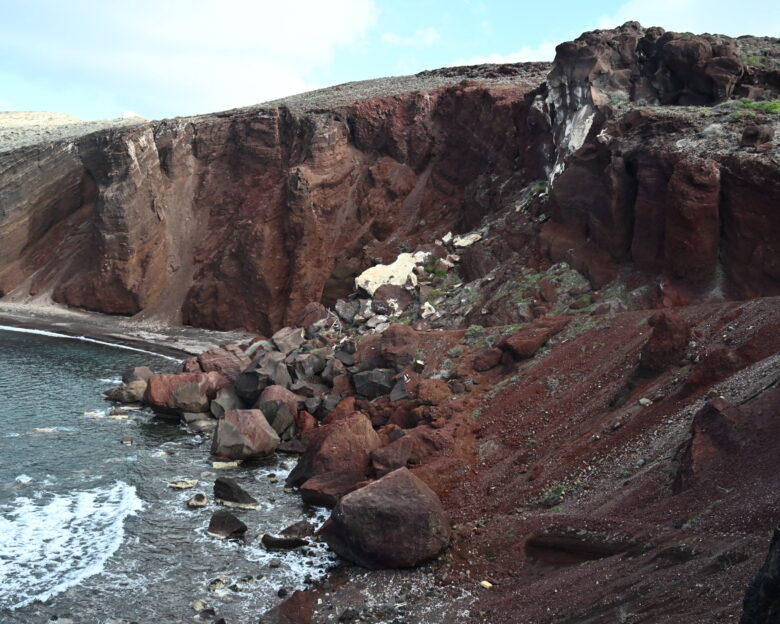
{"x": 89, "y": 530}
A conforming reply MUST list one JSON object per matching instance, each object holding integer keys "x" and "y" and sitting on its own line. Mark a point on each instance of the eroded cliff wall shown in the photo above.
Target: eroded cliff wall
{"x": 239, "y": 219}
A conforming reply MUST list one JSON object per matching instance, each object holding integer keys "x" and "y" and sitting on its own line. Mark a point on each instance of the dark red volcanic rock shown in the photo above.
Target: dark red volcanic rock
{"x": 166, "y": 392}
{"x": 326, "y": 489}
{"x": 395, "y": 522}
{"x": 345, "y": 445}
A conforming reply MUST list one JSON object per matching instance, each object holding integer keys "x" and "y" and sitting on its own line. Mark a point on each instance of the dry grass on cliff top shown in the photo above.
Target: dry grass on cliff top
{"x": 22, "y": 129}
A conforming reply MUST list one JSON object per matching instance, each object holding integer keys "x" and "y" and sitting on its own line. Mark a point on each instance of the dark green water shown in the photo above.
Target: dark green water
{"x": 89, "y": 530}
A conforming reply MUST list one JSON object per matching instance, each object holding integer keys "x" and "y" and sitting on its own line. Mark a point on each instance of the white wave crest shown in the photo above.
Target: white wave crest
{"x": 47, "y": 548}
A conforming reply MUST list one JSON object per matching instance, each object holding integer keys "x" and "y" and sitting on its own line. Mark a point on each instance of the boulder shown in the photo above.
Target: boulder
{"x": 274, "y": 396}
{"x": 347, "y": 310}
{"x": 132, "y": 392}
{"x": 242, "y": 434}
{"x": 395, "y": 522}
{"x": 756, "y": 134}
{"x": 399, "y": 345}
{"x": 302, "y": 528}
{"x": 667, "y": 342}
{"x": 325, "y": 490}
{"x": 225, "y": 525}
{"x": 398, "y": 273}
{"x": 486, "y": 359}
{"x": 288, "y": 339}
{"x": 397, "y": 454}
{"x": 227, "y": 399}
{"x": 390, "y": 300}
{"x": 374, "y": 383}
{"x": 228, "y": 360}
{"x": 333, "y": 368}
{"x": 197, "y": 501}
{"x": 307, "y": 365}
{"x": 305, "y": 423}
{"x": 313, "y": 312}
{"x": 283, "y": 542}
{"x": 191, "y": 365}
{"x": 268, "y": 369}
{"x": 345, "y": 445}
{"x": 297, "y": 609}
{"x": 229, "y": 493}
{"x": 137, "y": 373}
{"x": 183, "y": 392}
{"x": 525, "y": 342}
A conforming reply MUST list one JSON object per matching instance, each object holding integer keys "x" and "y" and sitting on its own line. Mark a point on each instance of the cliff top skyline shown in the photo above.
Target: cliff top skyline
{"x": 100, "y": 60}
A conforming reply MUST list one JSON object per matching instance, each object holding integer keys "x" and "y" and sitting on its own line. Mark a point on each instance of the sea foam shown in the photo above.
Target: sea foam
{"x": 47, "y": 547}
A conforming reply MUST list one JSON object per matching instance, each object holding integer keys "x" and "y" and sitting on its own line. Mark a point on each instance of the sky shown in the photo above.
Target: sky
{"x": 168, "y": 58}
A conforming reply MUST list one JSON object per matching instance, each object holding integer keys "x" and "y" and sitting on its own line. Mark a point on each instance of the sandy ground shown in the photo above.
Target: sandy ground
{"x": 150, "y": 335}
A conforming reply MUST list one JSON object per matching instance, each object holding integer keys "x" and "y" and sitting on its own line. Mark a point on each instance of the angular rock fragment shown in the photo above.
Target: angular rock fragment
{"x": 288, "y": 339}
{"x": 225, "y": 525}
{"x": 325, "y": 490}
{"x": 243, "y": 434}
{"x": 229, "y": 493}
{"x": 374, "y": 383}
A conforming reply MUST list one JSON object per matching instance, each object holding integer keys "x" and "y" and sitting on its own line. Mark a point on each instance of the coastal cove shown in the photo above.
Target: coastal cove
{"x": 90, "y": 530}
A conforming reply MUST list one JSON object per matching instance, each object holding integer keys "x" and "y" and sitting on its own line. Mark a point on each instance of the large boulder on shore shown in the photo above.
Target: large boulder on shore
{"x": 244, "y": 434}
{"x": 395, "y": 522}
{"x": 132, "y": 392}
{"x": 137, "y": 373}
{"x": 183, "y": 392}
{"x": 345, "y": 445}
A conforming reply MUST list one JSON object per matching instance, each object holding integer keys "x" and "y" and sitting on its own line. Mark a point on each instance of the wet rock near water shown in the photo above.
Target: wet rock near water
{"x": 229, "y": 493}
{"x": 396, "y": 522}
{"x": 225, "y": 525}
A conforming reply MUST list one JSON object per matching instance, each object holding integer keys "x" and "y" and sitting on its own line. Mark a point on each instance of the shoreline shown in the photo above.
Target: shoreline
{"x": 154, "y": 337}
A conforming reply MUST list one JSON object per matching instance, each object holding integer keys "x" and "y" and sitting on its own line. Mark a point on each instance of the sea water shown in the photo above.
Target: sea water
{"x": 89, "y": 530}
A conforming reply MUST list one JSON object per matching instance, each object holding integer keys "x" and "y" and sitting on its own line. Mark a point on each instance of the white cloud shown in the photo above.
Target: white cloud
{"x": 423, "y": 37}
{"x": 749, "y": 17}
{"x": 543, "y": 52}
{"x": 188, "y": 56}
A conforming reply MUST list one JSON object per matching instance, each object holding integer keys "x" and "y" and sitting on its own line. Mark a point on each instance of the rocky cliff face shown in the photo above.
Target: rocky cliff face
{"x": 239, "y": 219}
{"x": 242, "y": 218}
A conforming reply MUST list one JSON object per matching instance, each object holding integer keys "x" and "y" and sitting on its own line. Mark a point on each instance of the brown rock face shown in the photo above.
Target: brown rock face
{"x": 396, "y": 522}
{"x": 345, "y": 445}
{"x": 183, "y": 392}
{"x": 240, "y": 220}
{"x": 525, "y": 342}
{"x": 326, "y": 489}
{"x": 242, "y": 434}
